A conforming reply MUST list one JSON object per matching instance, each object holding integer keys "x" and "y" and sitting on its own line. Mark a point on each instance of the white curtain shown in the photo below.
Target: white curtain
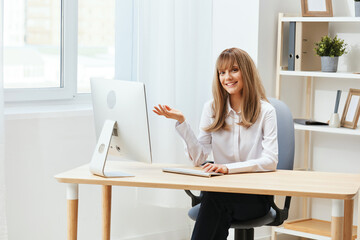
{"x": 175, "y": 63}
{"x": 3, "y": 228}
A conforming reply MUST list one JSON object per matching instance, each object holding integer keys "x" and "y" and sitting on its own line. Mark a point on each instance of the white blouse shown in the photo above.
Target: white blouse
{"x": 240, "y": 149}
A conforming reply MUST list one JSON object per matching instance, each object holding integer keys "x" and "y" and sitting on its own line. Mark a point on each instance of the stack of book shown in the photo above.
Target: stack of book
{"x": 302, "y": 38}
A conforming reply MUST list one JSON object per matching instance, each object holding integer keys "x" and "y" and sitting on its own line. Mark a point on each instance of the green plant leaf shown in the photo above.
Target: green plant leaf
{"x": 332, "y": 47}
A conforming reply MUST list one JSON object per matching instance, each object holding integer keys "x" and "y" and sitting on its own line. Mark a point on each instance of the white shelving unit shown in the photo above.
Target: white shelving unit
{"x": 320, "y": 74}
{"x": 312, "y": 232}
{"x": 300, "y": 234}
{"x": 327, "y": 129}
{"x": 321, "y": 19}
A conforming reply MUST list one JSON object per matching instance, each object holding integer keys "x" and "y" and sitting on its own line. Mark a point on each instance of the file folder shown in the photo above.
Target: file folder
{"x": 307, "y": 34}
{"x": 291, "y": 54}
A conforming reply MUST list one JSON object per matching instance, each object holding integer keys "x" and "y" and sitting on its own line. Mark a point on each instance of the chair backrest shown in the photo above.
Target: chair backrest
{"x": 286, "y": 136}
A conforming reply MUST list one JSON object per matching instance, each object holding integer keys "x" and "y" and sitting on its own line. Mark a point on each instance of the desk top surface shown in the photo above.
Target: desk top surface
{"x": 281, "y": 182}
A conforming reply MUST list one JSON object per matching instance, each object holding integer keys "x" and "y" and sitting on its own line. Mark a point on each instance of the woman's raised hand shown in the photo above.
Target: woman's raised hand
{"x": 168, "y": 112}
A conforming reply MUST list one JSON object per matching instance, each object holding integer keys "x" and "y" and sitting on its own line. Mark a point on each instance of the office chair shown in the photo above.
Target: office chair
{"x": 244, "y": 230}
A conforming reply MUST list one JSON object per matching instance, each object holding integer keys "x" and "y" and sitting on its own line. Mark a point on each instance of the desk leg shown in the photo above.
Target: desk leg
{"x": 337, "y": 220}
{"x": 358, "y": 223}
{"x": 72, "y": 210}
{"x": 106, "y": 196}
{"x": 348, "y": 218}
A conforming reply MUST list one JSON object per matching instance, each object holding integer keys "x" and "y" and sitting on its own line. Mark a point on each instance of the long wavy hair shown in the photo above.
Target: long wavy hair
{"x": 252, "y": 92}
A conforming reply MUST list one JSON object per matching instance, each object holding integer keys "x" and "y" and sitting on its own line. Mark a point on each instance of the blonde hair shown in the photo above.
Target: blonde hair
{"x": 252, "y": 92}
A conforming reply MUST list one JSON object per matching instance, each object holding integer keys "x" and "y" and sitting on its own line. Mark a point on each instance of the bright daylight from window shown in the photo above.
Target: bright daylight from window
{"x": 32, "y": 43}
{"x": 96, "y": 41}
{"x": 32, "y": 39}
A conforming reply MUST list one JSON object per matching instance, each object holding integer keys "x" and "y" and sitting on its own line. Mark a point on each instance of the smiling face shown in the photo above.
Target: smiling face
{"x": 236, "y": 78}
{"x": 231, "y": 80}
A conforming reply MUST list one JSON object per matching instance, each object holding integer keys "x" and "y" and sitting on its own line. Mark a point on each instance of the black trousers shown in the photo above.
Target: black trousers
{"x": 219, "y": 210}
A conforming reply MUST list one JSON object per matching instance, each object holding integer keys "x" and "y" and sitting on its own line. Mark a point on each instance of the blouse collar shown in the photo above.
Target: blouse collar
{"x": 229, "y": 108}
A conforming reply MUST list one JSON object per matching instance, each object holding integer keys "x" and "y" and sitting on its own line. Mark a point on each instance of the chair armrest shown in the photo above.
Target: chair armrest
{"x": 281, "y": 214}
{"x": 195, "y": 200}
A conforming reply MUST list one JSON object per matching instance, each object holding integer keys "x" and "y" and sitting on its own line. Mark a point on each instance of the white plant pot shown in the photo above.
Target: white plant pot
{"x": 329, "y": 64}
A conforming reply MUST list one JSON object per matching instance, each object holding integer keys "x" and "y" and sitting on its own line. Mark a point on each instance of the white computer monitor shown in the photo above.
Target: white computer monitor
{"x": 121, "y": 124}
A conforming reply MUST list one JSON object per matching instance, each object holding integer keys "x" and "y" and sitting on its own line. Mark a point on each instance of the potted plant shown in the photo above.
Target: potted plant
{"x": 357, "y": 8}
{"x": 330, "y": 49}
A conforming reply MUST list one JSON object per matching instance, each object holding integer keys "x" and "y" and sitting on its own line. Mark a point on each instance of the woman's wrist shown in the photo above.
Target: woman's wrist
{"x": 181, "y": 119}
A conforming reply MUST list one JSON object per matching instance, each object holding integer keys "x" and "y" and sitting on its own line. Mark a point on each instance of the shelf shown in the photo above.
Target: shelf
{"x": 320, "y": 74}
{"x": 327, "y": 129}
{"x": 300, "y": 234}
{"x": 317, "y": 227}
{"x": 321, "y": 19}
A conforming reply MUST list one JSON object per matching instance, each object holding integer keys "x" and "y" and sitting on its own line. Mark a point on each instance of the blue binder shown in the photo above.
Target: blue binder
{"x": 291, "y": 55}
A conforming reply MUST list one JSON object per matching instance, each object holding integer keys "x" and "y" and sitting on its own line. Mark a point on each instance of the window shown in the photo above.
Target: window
{"x": 32, "y": 31}
{"x": 53, "y": 47}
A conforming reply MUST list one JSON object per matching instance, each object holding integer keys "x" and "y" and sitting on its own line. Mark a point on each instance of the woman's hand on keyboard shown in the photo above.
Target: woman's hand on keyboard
{"x": 168, "y": 112}
{"x": 219, "y": 168}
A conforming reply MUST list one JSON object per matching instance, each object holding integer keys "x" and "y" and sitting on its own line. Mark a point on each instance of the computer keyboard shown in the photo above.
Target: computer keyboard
{"x": 190, "y": 171}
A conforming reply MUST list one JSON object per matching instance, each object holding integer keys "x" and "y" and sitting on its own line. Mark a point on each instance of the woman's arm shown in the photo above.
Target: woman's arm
{"x": 196, "y": 148}
{"x": 269, "y": 155}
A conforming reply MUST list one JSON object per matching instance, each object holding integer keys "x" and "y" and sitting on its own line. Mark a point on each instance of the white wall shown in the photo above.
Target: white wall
{"x": 235, "y": 24}
{"x": 3, "y": 227}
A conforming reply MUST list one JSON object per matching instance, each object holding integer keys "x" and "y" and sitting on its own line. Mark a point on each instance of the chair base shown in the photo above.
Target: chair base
{"x": 244, "y": 234}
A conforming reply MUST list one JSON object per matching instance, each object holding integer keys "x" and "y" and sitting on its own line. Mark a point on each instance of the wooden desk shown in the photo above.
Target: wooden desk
{"x": 341, "y": 187}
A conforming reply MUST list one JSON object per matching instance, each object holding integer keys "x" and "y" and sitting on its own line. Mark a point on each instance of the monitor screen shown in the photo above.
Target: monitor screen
{"x": 121, "y": 123}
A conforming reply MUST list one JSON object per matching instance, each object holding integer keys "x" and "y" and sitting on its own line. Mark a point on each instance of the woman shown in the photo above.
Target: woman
{"x": 239, "y": 126}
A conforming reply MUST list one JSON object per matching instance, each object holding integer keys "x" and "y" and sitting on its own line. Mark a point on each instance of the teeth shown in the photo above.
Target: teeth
{"x": 231, "y": 84}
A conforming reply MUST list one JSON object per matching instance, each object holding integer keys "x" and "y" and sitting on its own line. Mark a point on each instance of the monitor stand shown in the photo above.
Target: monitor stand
{"x": 98, "y": 160}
